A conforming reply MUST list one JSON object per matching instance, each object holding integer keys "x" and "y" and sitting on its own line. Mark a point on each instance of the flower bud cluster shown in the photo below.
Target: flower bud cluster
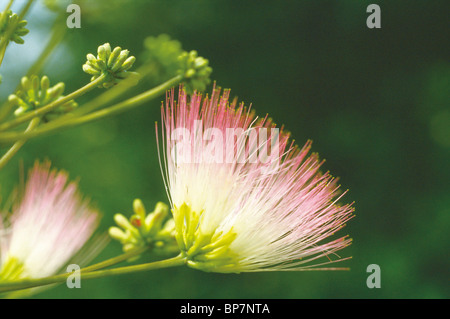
{"x": 195, "y": 71}
{"x": 8, "y": 19}
{"x": 35, "y": 93}
{"x": 113, "y": 64}
{"x": 155, "y": 229}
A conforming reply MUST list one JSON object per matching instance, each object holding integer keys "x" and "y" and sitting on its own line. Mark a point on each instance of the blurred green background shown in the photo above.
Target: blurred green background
{"x": 375, "y": 102}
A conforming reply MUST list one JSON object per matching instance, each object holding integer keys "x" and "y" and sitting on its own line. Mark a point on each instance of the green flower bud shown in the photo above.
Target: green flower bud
{"x": 55, "y": 92}
{"x": 128, "y": 63}
{"x": 119, "y": 61}
{"x": 102, "y": 51}
{"x": 138, "y": 208}
{"x": 91, "y": 58}
{"x": 123, "y": 222}
{"x": 113, "y": 64}
{"x": 195, "y": 71}
{"x": 117, "y": 234}
{"x": 113, "y": 56}
{"x": 45, "y": 83}
{"x": 11, "y": 20}
{"x": 155, "y": 229}
{"x": 34, "y": 93}
{"x": 25, "y": 82}
{"x": 35, "y": 84}
{"x": 89, "y": 69}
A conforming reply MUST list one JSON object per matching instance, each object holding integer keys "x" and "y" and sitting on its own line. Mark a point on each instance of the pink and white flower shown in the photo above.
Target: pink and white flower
{"x": 47, "y": 228}
{"x": 236, "y": 211}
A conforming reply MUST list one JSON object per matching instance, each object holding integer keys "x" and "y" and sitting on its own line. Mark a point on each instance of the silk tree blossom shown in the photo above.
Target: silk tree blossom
{"x": 47, "y": 228}
{"x": 274, "y": 213}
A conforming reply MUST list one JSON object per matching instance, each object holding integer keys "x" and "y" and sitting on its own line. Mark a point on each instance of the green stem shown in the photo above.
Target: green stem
{"x": 2, "y": 54}
{"x": 50, "y": 107}
{"x": 108, "y": 95}
{"x": 125, "y": 105}
{"x": 74, "y": 121}
{"x": 30, "y": 283}
{"x": 114, "y": 260}
{"x": 15, "y": 148}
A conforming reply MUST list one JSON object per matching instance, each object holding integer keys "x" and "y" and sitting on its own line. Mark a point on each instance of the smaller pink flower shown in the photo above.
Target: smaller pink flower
{"x": 47, "y": 228}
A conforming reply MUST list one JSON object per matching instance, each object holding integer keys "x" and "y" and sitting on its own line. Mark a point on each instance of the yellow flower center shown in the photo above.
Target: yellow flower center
{"x": 12, "y": 269}
{"x": 205, "y": 251}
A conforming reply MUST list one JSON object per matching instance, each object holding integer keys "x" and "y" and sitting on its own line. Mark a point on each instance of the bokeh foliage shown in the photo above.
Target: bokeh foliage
{"x": 374, "y": 102}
